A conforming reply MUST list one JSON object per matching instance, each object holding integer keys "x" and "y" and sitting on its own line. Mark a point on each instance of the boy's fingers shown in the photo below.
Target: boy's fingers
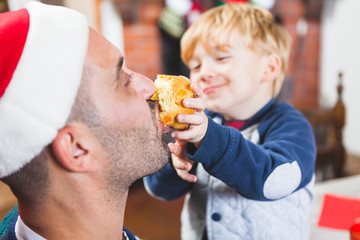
{"x": 187, "y": 176}
{"x": 196, "y": 89}
{"x": 180, "y": 163}
{"x": 194, "y": 119}
{"x": 171, "y": 145}
{"x": 184, "y": 135}
{"x": 181, "y": 143}
{"x": 177, "y": 149}
{"x": 195, "y": 103}
{"x": 173, "y": 148}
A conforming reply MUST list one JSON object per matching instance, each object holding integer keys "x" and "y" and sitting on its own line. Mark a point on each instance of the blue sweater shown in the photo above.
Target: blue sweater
{"x": 285, "y": 136}
{"x": 271, "y": 157}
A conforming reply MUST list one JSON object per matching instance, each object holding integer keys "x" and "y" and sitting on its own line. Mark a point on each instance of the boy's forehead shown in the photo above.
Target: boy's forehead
{"x": 222, "y": 42}
{"x": 229, "y": 42}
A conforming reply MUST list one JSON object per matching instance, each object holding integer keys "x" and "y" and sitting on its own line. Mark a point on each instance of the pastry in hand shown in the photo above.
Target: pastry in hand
{"x": 170, "y": 93}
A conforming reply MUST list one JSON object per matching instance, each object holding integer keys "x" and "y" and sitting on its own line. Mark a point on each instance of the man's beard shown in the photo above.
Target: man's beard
{"x": 133, "y": 154}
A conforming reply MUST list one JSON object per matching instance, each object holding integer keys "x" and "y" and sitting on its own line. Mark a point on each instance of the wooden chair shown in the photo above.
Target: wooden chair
{"x": 328, "y": 127}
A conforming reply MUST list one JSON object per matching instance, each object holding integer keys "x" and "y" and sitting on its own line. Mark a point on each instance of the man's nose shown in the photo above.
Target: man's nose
{"x": 144, "y": 86}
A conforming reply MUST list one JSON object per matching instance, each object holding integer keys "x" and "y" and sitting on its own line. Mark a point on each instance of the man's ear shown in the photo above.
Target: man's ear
{"x": 72, "y": 150}
{"x": 273, "y": 67}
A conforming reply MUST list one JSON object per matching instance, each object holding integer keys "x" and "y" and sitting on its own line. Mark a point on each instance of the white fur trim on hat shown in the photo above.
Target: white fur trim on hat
{"x": 40, "y": 95}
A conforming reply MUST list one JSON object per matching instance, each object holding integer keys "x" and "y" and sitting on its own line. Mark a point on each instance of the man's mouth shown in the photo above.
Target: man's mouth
{"x": 154, "y": 105}
{"x": 165, "y": 128}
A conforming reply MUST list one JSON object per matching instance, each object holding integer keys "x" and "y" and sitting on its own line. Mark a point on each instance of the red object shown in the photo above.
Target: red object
{"x": 235, "y": 124}
{"x": 194, "y": 13}
{"x": 14, "y": 29}
{"x": 355, "y": 232}
{"x": 236, "y": 1}
{"x": 339, "y": 212}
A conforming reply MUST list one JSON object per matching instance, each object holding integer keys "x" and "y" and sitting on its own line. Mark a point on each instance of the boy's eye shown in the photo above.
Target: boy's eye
{"x": 194, "y": 64}
{"x": 196, "y": 67}
{"x": 222, "y": 58}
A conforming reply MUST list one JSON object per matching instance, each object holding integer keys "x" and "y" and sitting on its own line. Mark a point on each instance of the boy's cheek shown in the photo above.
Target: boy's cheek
{"x": 194, "y": 77}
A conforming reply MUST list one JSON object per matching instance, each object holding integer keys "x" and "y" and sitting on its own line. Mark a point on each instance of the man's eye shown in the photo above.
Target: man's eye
{"x": 129, "y": 79}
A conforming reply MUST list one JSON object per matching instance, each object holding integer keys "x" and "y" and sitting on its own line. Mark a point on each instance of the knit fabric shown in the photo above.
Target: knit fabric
{"x": 254, "y": 183}
{"x": 172, "y": 22}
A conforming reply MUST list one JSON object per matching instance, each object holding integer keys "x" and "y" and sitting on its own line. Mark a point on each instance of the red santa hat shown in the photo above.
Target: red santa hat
{"x": 42, "y": 50}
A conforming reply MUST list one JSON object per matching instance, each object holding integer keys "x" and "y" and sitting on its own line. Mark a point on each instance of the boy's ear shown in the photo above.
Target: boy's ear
{"x": 273, "y": 67}
{"x": 72, "y": 150}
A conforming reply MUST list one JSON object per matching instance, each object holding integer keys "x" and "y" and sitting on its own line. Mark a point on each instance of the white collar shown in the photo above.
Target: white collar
{"x": 23, "y": 232}
{"x": 125, "y": 236}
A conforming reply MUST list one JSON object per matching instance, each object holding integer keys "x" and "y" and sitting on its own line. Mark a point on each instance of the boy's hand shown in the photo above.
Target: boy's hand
{"x": 181, "y": 163}
{"x": 198, "y": 120}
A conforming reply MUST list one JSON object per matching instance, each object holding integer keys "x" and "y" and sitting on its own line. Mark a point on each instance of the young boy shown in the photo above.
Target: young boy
{"x": 252, "y": 159}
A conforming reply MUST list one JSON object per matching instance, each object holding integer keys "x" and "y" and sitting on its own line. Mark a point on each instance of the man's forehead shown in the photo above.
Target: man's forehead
{"x": 101, "y": 51}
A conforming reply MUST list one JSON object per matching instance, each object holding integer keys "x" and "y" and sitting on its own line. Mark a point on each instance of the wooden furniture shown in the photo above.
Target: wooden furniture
{"x": 328, "y": 127}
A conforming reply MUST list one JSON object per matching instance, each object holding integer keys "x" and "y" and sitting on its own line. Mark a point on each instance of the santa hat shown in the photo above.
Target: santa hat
{"x": 42, "y": 50}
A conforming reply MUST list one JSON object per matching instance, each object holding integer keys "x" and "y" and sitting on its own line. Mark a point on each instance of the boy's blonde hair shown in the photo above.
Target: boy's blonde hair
{"x": 259, "y": 29}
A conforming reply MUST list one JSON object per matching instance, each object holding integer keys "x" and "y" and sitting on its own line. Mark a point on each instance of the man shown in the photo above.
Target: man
{"x": 77, "y": 127}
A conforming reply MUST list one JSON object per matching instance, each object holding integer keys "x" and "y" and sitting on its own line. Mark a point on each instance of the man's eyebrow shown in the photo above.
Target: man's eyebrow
{"x": 119, "y": 67}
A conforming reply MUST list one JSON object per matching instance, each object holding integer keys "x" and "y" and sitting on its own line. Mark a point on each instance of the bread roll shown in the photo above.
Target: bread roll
{"x": 170, "y": 92}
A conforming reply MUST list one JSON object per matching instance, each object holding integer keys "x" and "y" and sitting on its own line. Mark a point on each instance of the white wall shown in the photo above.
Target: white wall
{"x": 87, "y": 7}
{"x": 112, "y": 25}
{"x": 110, "y": 20}
{"x": 17, "y": 4}
{"x": 341, "y": 52}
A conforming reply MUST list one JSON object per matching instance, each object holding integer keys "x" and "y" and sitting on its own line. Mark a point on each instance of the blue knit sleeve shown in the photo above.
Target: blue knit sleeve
{"x": 166, "y": 184}
{"x": 280, "y": 163}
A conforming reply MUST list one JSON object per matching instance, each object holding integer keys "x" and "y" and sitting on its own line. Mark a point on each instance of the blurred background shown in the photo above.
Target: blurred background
{"x": 323, "y": 78}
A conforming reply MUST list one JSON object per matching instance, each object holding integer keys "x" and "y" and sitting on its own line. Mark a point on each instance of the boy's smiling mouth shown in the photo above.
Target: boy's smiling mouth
{"x": 213, "y": 88}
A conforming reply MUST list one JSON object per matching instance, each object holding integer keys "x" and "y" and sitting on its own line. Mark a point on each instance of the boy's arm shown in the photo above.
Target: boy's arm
{"x": 283, "y": 163}
{"x": 166, "y": 184}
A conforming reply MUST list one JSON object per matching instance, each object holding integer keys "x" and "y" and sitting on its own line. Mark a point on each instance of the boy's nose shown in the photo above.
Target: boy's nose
{"x": 207, "y": 71}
